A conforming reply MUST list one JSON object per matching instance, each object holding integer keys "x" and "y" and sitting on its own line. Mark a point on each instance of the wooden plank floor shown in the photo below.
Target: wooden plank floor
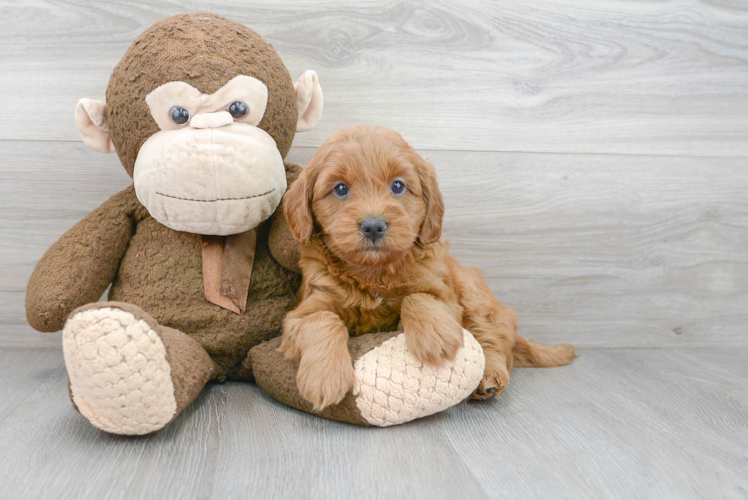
{"x": 597, "y": 429}
{"x": 594, "y": 162}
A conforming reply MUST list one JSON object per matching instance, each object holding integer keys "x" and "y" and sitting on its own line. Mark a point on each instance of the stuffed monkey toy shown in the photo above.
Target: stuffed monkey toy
{"x": 202, "y": 266}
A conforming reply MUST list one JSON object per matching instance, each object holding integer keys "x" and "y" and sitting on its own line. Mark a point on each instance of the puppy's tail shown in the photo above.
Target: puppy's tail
{"x": 528, "y": 353}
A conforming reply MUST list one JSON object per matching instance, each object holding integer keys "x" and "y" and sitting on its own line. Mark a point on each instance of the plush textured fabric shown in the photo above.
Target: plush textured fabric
{"x": 111, "y": 356}
{"x": 191, "y": 367}
{"x": 161, "y": 272}
{"x": 308, "y": 100}
{"x": 79, "y": 266}
{"x": 276, "y": 375}
{"x": 392, "y": 386}
{"x": 131, "y": 375}
{"x": 243, "y": 88}
{"x": 91, "y": 121}
{"x": 218, "y": 181}
{"x": 205, "y": 51}
{"x": 157, "y": 297}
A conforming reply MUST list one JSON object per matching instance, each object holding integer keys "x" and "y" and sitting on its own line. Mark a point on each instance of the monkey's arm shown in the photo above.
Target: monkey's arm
{"x": 79, "y": 266}
{"x": 283, "y": 247}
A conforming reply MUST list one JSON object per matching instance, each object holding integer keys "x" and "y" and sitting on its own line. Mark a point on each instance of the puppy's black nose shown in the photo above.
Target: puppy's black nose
{"x": 374, "y": 228}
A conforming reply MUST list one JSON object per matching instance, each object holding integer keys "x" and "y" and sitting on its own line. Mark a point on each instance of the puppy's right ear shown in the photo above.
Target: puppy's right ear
{"x": 297, "y": 206}
{"x": 431, "y": 228}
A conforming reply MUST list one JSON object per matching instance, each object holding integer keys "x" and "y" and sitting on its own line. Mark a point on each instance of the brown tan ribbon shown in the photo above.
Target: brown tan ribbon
{"x": 227, "y": 269}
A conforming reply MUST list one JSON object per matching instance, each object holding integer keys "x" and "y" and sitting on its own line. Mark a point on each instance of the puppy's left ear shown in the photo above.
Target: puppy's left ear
{"x": 297, "y": 205}
{"x": 431, "y": 228}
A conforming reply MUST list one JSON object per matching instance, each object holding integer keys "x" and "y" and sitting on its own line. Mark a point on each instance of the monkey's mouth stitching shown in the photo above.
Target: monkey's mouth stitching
{"x": 217, "y": 199}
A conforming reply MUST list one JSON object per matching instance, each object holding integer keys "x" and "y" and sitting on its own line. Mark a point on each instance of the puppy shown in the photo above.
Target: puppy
{"x": 367, "y": 213}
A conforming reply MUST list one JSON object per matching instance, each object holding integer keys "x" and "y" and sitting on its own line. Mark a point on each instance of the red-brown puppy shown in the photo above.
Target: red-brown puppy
{"x": 367, "y": 212}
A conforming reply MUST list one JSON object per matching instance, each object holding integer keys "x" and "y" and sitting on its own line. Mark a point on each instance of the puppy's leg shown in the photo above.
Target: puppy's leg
{"x": 318, "y": 342}
{"x": 492, "y": 324}
{"x": 496, "y": 333}
{"x": 432, "y": 333}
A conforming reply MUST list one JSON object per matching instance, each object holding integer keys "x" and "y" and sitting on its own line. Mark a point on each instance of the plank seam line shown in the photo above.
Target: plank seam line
{"x": 468, "y": 151}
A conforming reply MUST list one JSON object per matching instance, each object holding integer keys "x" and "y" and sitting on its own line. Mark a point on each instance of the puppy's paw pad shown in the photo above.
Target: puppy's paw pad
{"x": 493, "y": 384}
{"x": 324, "y": 385}
{"x": 435, "y": 345}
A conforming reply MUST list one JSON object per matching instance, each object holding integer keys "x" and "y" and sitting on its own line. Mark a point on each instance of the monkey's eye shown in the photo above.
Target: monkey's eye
{"x": 397, "y": 188}
{"x": 180, "y": 116}
{"x": 238, "y": 110}
{"x": 341, "y": 190}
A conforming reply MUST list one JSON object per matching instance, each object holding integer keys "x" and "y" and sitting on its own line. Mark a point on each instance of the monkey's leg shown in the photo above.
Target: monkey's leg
{"x": 391, "y": 387}
{"x": 128, "y": 374}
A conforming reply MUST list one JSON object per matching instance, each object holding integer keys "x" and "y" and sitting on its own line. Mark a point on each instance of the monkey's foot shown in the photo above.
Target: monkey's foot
{"x": 391, "y": 387}
{"x": 127, "y": 373}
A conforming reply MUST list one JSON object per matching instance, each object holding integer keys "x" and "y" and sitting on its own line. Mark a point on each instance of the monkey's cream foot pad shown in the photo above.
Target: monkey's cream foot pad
{"x": 392, "y": 386}
{"x": 120, "y": 378}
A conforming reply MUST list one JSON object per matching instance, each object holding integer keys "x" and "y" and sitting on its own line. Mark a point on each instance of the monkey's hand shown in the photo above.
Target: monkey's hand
{"x": 79, "y": 266}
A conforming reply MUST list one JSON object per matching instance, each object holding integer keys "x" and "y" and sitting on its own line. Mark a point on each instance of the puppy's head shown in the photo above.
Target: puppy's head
{"x": 368, "y": 194}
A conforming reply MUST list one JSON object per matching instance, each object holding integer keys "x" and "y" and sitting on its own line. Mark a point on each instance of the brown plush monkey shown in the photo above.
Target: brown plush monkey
{"x": 202, "y": 266}
{"x": 201, "y": 111}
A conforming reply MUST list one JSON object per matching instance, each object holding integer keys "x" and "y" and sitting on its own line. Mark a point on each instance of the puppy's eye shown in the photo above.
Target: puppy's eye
{"x": 180, "y": 116}
{"x": 397, "y": 188}
{"x": 238, "y": 110}
{"x": 341, "y": 190}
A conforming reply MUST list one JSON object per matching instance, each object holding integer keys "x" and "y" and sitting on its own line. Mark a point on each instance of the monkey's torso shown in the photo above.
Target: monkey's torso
{"x": 161, "y": 272}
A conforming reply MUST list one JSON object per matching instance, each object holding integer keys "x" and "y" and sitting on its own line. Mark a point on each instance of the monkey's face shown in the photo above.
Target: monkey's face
{"x": 210, "y": 169}
{"x": 201, "y": 111}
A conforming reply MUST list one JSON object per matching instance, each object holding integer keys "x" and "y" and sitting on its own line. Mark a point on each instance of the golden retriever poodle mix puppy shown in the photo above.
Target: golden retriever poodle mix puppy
{"x": 367, "y": 212}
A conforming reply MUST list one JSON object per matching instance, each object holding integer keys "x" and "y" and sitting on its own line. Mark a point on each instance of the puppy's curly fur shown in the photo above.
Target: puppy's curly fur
{"x": 354, "y": 284}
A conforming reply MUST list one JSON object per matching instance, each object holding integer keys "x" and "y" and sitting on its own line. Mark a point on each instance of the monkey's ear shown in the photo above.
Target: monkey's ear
{"x": 308, "y": 100}
{"x": 91, "y": 120}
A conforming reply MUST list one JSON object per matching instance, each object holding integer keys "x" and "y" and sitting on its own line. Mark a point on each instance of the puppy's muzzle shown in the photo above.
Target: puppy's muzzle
{"x": 373, "y": 228}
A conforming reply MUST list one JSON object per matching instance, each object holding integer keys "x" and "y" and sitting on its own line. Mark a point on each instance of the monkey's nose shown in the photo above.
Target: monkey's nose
{"x": 211, "y": 120}
{"x": 373, "y": 228}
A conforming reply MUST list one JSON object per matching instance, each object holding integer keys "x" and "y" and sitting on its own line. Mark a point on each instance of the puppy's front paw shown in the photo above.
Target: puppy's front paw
{"x": 494, "y": 383}
{"x": 325, "y": 382}
{"x": 434, "y": 343}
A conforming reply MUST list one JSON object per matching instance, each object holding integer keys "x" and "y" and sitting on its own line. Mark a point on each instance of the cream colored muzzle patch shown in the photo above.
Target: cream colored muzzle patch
{"x": 393, "y": 387}
{"x": 215, "y": 181}
{"x": 120, "y": 379}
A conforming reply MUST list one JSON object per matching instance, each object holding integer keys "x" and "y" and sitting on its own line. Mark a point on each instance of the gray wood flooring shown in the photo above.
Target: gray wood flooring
{"x": 618, "y": 423}
{"x": 594, "y": 162}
